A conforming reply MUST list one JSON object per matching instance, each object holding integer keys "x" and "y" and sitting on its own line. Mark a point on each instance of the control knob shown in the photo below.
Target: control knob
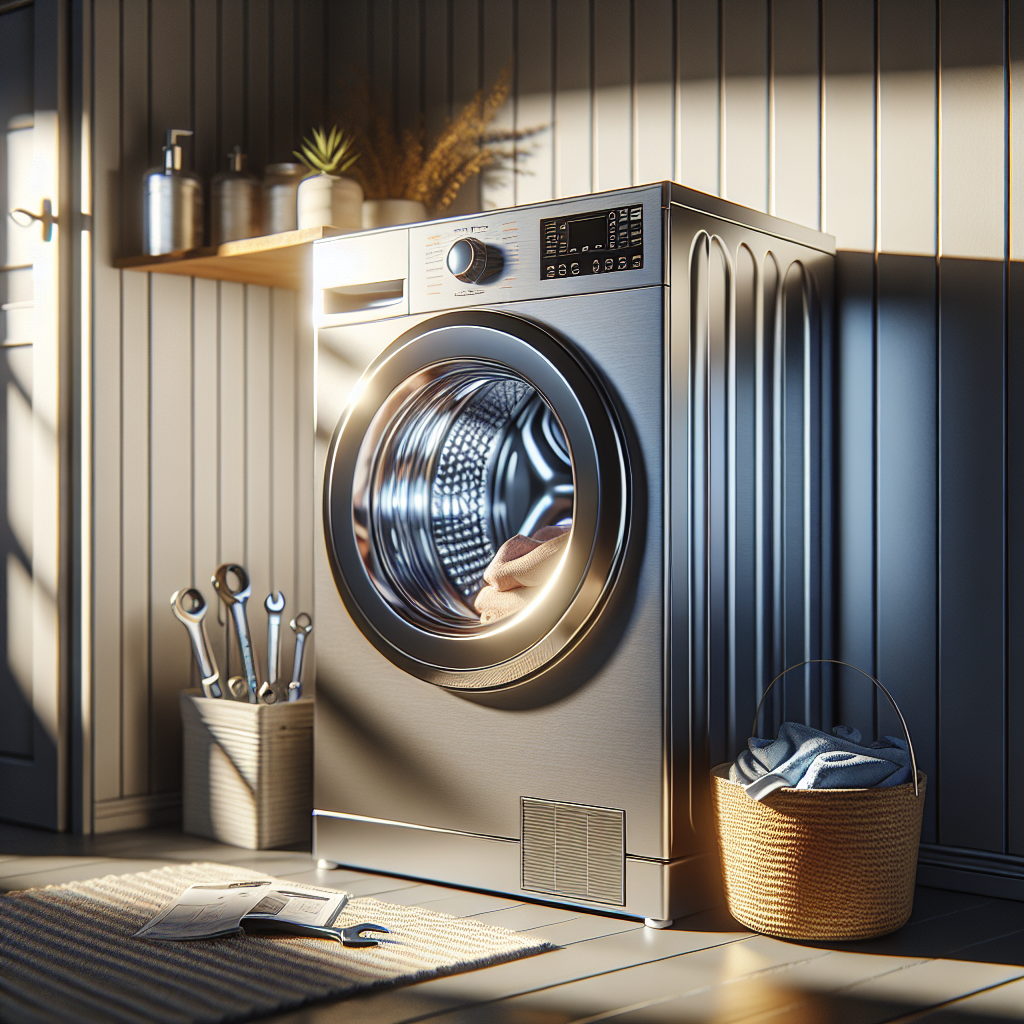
{"x": 472, "y": 261}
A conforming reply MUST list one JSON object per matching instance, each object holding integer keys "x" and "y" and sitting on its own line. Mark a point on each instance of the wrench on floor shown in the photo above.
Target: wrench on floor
{"x": 189, "y": 609}
{"x": 235, "y": 600}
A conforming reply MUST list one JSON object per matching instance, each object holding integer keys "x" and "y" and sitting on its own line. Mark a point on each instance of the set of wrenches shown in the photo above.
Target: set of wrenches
{"x": 189, "y": 609}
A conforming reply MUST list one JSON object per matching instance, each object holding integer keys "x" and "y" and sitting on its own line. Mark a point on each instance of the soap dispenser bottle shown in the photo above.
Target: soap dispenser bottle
{"x": 173, "y": 203}
{"x": 235, "y": 201}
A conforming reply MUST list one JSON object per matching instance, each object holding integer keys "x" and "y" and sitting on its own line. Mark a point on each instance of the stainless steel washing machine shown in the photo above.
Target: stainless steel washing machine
{"x": 543, "y": 435}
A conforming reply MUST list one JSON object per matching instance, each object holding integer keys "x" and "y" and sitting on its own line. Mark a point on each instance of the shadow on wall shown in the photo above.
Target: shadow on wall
{"x": 929, "y": 506}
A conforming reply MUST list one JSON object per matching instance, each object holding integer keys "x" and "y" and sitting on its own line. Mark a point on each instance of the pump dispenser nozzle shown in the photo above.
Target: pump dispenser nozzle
{"x": 172, "y": 151}
{"x": 236, "y": 160}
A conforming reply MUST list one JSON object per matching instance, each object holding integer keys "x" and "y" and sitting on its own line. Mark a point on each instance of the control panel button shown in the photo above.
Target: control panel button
{"x": 574, "y": 269}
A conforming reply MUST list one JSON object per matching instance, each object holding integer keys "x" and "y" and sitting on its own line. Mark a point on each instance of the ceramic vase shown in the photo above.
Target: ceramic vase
{"x": 326, "y": 200}
{"x": 382, "y": 213}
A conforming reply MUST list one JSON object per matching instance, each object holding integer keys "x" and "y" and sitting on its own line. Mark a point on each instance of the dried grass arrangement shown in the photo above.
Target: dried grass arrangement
{"x": 404, "y": 165}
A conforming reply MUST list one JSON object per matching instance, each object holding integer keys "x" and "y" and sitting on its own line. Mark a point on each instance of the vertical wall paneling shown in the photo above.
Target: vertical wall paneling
{"x": 498, "y": 184}
{"x": 698, "y": 143}
{"x": 436, "y": 64}
{"x": 134, "y": 499}
{"x": 106, "y": 423}
{"x": 231, "y": 87}
{"x": 797, "y": 116}
{"x": 753, "y": 100}
{"x": 534, "y": 106}
{"x": 310, "y": 63}
{"x": 408, "y": 63}
{"x": 613, "y": 106}
{"x": 466, "y": 78}
{"x": 285, "y": 131}
{"x": 653, "y": 60}
{"x": 205, "y": 454}
{"x": 973, "y": 121}
{"x": 909, "y": 122}
{"x": 257, "y": 70}
{"x": 281, "y": 413}
{"x": 170, "y": 521}
{"x": 848, "y": 65}
{"x": 258, "y": 459}
{"x": 745, "y": 56}
{"x": 907, "y": 466}
{"x": 573, "y": 110}
{"x": 1015, "y": 434}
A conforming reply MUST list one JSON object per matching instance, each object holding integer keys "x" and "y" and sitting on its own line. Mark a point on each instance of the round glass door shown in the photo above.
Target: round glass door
{"x": 475, "y": 500}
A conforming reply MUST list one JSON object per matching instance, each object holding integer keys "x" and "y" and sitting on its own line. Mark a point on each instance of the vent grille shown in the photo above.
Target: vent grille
{"x": 574, "y": 850}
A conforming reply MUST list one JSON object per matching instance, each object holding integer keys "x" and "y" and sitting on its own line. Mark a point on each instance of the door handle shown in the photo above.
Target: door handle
{"x": 26, "y": 217}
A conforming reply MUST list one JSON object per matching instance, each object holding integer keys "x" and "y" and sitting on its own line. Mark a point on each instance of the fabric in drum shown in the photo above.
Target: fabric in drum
{"x": 67, "y": 954}
{"x": 819, "y": 864}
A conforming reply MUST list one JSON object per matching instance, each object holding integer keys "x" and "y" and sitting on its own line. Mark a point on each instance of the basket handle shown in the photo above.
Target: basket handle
{"x": 832, "y": 661}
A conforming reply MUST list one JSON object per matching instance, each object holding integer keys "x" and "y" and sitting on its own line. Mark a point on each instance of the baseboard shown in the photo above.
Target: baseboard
{"x": 973, "y": 871}
{"x": 131, "y": 812}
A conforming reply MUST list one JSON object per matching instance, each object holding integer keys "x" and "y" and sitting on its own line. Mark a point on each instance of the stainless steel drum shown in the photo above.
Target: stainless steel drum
{"x": 462, "y": 437}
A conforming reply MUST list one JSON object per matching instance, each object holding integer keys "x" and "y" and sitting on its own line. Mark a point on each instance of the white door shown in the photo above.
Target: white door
{"x": 33, "y": 706}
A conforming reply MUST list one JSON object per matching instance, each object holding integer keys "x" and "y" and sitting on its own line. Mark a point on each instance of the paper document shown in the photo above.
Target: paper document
{"x": 211, "y": 910}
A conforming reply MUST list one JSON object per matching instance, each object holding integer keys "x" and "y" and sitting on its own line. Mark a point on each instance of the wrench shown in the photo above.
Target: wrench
{"x": 191, "y": 617}
{"x": 302, "y": 626}
{"x": 268, "y": 694}
{"x": 274, "y": 605}
{"x": 237, "y": 688}
{"x": 294, "y": 690}
{"x": 235, "y": 601}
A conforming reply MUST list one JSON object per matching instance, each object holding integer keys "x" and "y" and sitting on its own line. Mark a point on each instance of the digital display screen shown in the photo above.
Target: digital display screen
{"x": 588, "y": 234}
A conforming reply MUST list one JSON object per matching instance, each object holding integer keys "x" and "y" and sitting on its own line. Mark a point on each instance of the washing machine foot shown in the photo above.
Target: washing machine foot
{"x": 653, "y": 922}
{"x": 326, "y": 865}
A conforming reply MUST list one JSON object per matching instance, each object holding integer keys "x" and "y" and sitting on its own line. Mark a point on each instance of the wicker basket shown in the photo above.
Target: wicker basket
{"x": 247, "y": 771}
{"x": 821, "y": 864}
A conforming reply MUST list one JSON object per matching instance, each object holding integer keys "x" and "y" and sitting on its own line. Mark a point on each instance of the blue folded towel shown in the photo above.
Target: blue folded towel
{"x": 806, "y": 758}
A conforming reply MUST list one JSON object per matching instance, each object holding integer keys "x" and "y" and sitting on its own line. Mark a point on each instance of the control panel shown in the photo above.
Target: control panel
{"x": 601, "y": 242}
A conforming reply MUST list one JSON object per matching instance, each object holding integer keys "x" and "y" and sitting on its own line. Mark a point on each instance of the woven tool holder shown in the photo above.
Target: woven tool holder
{"x": 820, "y": 864}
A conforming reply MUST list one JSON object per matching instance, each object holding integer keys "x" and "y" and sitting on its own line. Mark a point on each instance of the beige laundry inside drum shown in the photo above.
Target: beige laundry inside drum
{"x": 820, "y": 864}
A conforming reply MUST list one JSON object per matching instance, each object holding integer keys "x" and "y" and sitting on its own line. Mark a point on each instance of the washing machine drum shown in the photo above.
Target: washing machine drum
{"x": 476, "y": 500}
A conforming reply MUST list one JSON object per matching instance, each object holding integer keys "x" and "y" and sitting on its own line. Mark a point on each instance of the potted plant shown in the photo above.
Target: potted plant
{"x": 326, "y": 199}
{"x": 405, "y": 178}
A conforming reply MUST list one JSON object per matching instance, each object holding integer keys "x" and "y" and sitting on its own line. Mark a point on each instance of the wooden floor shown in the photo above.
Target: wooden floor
{"x": 958, "y": 961}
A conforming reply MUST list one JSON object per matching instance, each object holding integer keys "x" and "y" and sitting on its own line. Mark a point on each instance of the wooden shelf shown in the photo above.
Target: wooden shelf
{"x": 277, "y": 261}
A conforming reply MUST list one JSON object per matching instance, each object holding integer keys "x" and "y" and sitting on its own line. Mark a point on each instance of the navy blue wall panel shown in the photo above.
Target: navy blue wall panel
{"x": 907, "y": 563}
{"x": 1015, "y": 559}
{"x": 855, "y": 486}
{"x": 971, "y": 725}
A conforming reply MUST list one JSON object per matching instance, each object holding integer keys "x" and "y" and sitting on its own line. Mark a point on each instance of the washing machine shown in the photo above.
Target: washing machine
{"x": 566, "y": 455}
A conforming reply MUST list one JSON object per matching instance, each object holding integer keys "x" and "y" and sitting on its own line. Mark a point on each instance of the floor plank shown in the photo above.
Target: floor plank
{"x": 528, "y": 917}
{"x": 988, "y": 1007}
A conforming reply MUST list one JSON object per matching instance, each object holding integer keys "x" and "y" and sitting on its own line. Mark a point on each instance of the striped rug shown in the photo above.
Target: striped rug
{"x": 67, "y": 954}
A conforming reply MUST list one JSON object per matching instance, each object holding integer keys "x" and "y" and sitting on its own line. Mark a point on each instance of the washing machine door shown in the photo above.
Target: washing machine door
{"x": 476, "y": 500}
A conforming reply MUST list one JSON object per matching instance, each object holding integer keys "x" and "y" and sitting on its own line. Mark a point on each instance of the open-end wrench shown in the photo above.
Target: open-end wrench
{"x": 302, "y": 626}
{"x": 190, "y": 609}
{"x": 235, "y": 600}
{"x": 274, "y": 605}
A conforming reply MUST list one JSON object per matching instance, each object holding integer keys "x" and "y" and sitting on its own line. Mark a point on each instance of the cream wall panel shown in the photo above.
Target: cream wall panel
{"x": 1016, "y": 186}
{"x": 170, "y": 520}
{"x": 465, "y": 78}
{"x": 796, "y": 150}
{"x": 282, "y": 411}
{"x": 654, "y": 91}
{"x": 258, "y": 458}
{"x": 436, "y": 92}
{"x": 106, "y": 412}
{"x": 613, "y": 96}
{"x": 534, "y": 182}
{"x": 498, "y": 186}
{"x": 745, "y": 102}
{"x": 848, "y": 63}
{"x": 699, "y": 139}
{"x": 205, "y": 456}
{"x": 908, "y": 126}
{"x": 973, "y": 130}
{"x": 134, "y": 502}
{"x": 573, "y": 107}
